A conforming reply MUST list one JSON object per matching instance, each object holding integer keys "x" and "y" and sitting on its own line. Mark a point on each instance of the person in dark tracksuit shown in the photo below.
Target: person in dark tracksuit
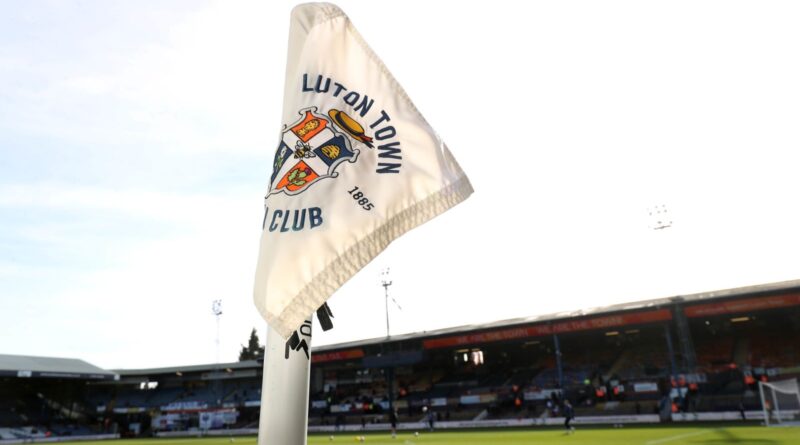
{"x": 569, "y": 414}
{"x": 393, "y": 421}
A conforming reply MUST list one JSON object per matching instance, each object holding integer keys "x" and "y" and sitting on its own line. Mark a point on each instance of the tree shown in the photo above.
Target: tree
{"x": 253, "y": 350}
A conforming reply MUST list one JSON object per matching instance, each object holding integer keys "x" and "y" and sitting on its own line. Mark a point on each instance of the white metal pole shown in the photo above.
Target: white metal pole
{"x": 777, "y": 409}
{"x": 797, "y": 393}
{"x": 763, "y": 405}
{"x": 386, "y": 295}
{"x": 284, "y": 390}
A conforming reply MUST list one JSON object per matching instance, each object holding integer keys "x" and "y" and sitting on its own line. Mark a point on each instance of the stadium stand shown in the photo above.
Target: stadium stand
{"x": 691, "y": 354}
{"x": 43, "y": 396}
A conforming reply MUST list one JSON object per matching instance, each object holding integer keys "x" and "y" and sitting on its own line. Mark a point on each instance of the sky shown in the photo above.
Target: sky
{"x": 136, "y": 140}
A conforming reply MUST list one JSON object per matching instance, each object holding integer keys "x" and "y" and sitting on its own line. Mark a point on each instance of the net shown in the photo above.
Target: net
{"x": 780, "y": 402}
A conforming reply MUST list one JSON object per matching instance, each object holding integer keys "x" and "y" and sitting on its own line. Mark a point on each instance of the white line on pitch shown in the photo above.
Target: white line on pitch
{"x": 678, "y": 437}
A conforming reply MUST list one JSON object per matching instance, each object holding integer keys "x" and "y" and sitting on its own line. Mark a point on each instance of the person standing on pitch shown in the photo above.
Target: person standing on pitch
{"x": 393, "y": 421}
{"x": 569, "y": 414}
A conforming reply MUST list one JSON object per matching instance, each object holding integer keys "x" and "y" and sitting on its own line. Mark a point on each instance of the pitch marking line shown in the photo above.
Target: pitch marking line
{"x": 678, "y": 437}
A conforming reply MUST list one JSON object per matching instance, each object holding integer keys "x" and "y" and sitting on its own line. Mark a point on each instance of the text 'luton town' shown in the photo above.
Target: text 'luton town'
{"x": 389, "y": 150}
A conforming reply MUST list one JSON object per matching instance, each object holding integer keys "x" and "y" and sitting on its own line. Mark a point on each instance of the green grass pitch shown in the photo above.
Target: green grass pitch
{"x": 655, "y": 435}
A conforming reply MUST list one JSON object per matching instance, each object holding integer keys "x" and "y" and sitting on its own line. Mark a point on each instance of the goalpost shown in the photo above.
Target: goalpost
{"x": 780, "y": 402}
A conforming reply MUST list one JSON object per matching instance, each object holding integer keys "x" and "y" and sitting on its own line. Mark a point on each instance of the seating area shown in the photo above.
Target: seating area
{"x": 225, "y": 393}
{"x": 605, "y": 365}
{"x": 592, "y": 373}
{"x": 641, "y": 361}
{"x": 768, "y": 351}
{"x": 23, "y": 432}
{"x": 714, "y": 353}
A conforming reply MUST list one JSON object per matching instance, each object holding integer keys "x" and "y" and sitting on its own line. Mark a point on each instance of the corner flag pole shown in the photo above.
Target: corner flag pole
{"x": 284, "y": 389}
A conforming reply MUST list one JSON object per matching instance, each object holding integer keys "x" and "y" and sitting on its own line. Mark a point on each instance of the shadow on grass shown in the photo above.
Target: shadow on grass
{"x": 725, "y": 436}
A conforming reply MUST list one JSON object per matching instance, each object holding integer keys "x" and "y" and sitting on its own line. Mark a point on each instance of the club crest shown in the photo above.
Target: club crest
{"x": 312, "y": 148}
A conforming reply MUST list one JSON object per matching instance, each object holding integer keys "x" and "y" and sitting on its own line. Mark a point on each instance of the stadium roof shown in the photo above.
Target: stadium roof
{"x": 659, "y": 303}
{"x": 702, "y": 297}
{"x": 248, "y": 364}
{"x": 51, "y": 367}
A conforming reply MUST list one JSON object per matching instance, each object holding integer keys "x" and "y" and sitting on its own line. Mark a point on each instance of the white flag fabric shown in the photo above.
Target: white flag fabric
{"x": 356, "y": 167}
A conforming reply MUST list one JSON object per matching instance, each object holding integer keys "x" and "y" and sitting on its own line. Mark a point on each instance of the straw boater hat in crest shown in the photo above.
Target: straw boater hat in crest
{"x": 350, "y": 126}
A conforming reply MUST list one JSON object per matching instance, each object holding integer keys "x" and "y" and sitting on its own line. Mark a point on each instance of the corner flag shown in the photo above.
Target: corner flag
{"x": 356, "y": 167}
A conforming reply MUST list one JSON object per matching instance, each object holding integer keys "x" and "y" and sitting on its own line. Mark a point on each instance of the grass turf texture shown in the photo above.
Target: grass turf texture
{"x": 695, "y": 435}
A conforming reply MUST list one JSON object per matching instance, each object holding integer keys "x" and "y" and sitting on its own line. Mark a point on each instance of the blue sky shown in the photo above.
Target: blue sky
{"x": 107, "y": 164}
{"x": 136, "y": 140}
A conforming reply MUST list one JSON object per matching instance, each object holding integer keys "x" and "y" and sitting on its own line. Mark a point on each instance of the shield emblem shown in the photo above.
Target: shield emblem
{"x": 310, "y": 150}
